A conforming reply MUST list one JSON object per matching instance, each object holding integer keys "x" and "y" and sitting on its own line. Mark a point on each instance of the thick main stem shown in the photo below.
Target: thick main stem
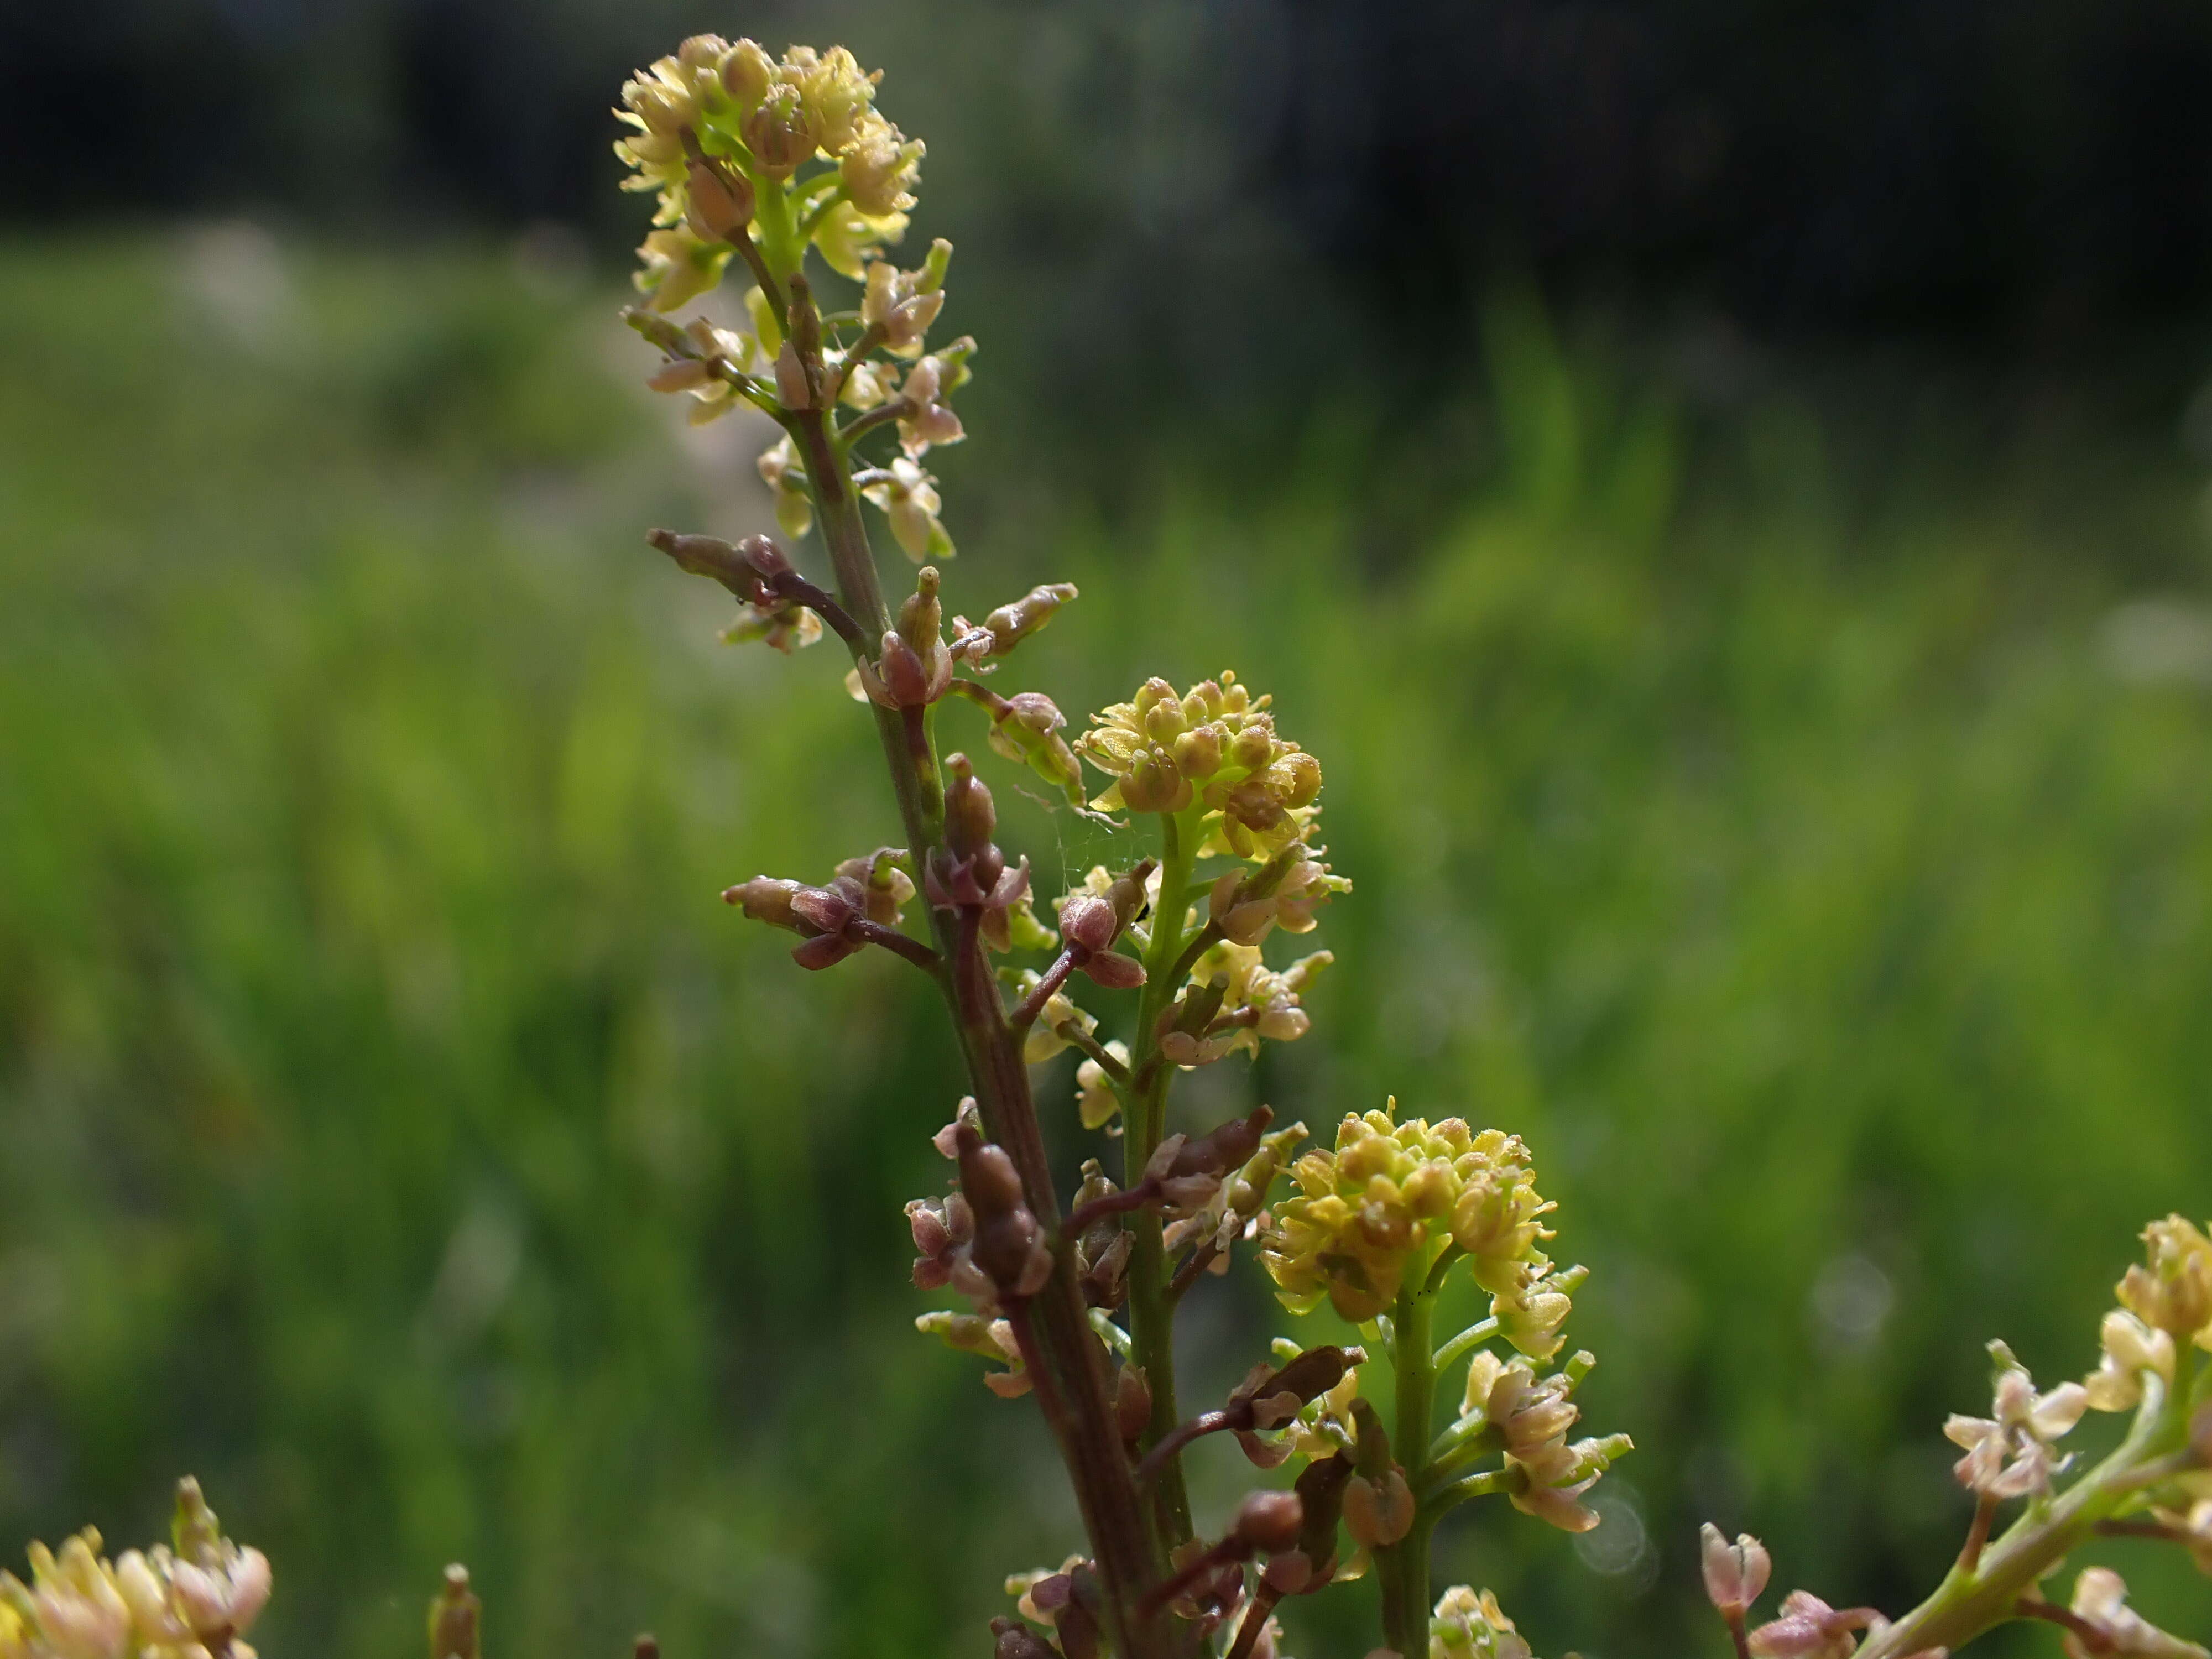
{"x": 1151, "y": 1311}
{"x": 1403, "y": 1567}
{"x": 1075, "y": 1392}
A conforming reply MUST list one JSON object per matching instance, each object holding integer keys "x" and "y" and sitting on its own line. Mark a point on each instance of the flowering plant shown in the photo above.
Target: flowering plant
{"x": 1156, "y": 966}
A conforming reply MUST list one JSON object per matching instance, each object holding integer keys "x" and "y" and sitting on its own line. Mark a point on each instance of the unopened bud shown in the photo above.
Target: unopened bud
{"x": 1300, "y": 775}
{"x": 747, "y": 72}
{"x": 791, "y": 387}
{"x": 1115, "y": 971}
{"x": 1270, "y": 1521}
{"x": 903, "y": 675}
{"x": 766, "y": 898}
{"x": 1313, "y": 1373}
{"x": 1252, "y": 748}
{"x": 1011, "y": 623}
{"x": 764, "y": 556}
{"x": 1011, "y": 1639}
{"x": 1198, "y": 752}
{"x": 1288, "y": 1571}
{"x": 1153, "y": 784}
{"x": 679, "y": 374}
{"x": 1133, "y": 1403}
{"x": 988, "y": 1176}
{"x": 1088, "y": 921}
{"x": 970, "y": 818}
{"x": 718, "y": 560}
{"x": 930, "y": 277}
{"x": 778, "y": 133}
{"x": 719, "y": 205}
{"x": 1378, "y": 1512}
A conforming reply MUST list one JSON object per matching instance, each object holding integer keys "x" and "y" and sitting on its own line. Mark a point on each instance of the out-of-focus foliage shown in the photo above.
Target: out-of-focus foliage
{"x": 1814, "y": 863}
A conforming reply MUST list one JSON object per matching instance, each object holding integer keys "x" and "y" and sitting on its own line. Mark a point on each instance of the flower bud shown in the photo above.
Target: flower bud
{"x": 1088, "y": 921}
{"x": 747, "y": 73}
{"x": 1153, "y": 784}
{"x": 921, "y": 617}
{"x": 1378, "y": 1512}
{"x": 1198, "y": 752}
{"x": 1115, "y": 971}
{"x": 930, "y": 277}
{"x": 970, "y": 818}
{"x": 779, "y": 133}
{"x": 1270, "y": 1521}
{"x": 1011, "y": 1639}
{"x": 1299, "y": 774}
{"x": 679, "y": 374}
{"x": 766, "y": 898}
{"x": 719, "y": 204}
{"x": 1288, "y": 1571}
{"x": 903, "y": 676}
{"x": 793, "y": 389}
{"x": 1011, "y": 623}
{"x": 988, "y": 1179}
{"x": 702, "y": 52}
{"x": 1133, "y": 1403}
{"x": 1252, "y": 748}
{"x": 764, "y": 556}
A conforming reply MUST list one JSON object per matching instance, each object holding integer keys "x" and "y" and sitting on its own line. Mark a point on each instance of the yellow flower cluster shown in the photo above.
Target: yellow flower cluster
{"x": 715, "y": 126}
{"x": 1391, "y": 1198}
{"x": 1213, "y": 745}
{"x": 2166, "y": 1304}
{"x": 151, "y": 1604}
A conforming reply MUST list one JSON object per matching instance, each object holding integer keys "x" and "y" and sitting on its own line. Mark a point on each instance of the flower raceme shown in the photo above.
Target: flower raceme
{"x": 716, "y": 126}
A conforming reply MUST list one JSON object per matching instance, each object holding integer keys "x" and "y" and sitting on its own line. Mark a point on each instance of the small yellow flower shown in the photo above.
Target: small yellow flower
{"x": 908, "y": 496}
{"x": 676, "y": 267}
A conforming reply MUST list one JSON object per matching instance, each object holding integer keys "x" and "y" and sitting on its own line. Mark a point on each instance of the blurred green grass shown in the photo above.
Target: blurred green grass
{"x": 1802, "y": 836}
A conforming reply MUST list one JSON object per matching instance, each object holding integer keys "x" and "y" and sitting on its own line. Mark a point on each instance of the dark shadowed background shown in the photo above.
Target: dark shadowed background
{"x": 1723, "y": 488}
